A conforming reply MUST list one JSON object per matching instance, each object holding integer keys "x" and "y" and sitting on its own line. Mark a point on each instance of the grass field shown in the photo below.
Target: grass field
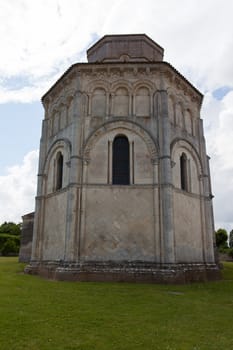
{"x": 37, "y": 314}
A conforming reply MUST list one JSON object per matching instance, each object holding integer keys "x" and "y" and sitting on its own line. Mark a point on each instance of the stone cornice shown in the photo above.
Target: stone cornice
{"x": 105, "y": 70}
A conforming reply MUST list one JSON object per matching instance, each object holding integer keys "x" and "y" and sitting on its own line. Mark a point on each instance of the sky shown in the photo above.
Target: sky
{"x": 41, "y": 39}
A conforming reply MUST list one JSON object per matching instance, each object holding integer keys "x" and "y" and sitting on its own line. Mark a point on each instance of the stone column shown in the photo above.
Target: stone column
{"x": 75, "y": 182}
{"x": 206, "y": 201}
{"x": 131, "y": 162}
{"x": 212, "y": 255}
{"x": 166, "y": 191}
{"x": 110, "y": 162}
{"x": 156, "y": 211}
{"x": 37, "y": 241}
{"x": 111, "y": 105}
{"x": 107, "y": 106}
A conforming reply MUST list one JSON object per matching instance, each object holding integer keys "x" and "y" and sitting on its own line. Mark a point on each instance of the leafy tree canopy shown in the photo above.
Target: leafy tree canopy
{"x": 10, "y": 228}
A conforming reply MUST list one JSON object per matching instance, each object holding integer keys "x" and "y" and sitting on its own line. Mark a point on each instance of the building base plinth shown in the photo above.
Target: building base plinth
{"x": 125, "y": 272}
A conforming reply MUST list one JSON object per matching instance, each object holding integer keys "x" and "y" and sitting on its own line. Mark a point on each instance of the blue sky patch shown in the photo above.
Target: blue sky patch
{"x": 21, "y": 128}
{"x": 221, "y": 92}
{"x": 16, "y": 82}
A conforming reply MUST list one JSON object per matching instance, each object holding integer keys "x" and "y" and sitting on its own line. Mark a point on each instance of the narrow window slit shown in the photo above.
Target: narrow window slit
{"x": 184, "y": 172}
{"x": 120, "y": 161}
{"x": 59, "y": 171}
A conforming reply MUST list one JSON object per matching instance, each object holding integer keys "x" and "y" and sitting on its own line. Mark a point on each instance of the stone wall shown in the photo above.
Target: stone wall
{"x": 26, "y": 238}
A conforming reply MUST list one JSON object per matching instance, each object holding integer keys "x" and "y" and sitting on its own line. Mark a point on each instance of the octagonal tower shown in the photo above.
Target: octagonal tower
{"x": 124, "y": 188}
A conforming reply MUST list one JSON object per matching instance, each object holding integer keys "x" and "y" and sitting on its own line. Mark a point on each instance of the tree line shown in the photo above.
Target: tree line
{"x": 223, "y": 242}
{"x": 10, "y": 238}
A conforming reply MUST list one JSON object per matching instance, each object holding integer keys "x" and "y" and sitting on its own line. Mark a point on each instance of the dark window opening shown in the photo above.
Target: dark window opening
{"x": 59, "y": 171}
{"x": 184, "y": 172}
{"x": 120, "y": 161}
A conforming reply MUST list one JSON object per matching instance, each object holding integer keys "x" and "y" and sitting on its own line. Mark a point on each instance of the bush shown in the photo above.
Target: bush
{"x": 10, "y": 248}
{"x": 9, "y": 243}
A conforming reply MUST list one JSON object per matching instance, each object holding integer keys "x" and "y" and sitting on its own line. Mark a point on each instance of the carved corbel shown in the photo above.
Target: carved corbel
{"x": 155, "y": 161}
{"x": 173, "y": 164}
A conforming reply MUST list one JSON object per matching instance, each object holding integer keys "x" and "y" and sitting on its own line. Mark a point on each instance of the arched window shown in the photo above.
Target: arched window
{"x": 184, "y": 172}
{"x": 120, "y": 161}
{"x": 59, "y": 171}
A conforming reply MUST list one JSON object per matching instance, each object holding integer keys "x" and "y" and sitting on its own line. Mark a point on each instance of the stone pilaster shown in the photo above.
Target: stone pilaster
{"x": 73, "y": 216}
{"x": 39, "y": 205}
{"x": 166, "y": 195}
{"x": 208, "y": 218}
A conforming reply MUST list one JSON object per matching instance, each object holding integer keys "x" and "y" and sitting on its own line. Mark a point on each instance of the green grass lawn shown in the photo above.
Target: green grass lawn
{"x": 37, "y": 314}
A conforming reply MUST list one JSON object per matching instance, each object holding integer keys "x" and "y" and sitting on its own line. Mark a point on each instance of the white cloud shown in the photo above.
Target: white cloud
{"x": 195, "y": 34}
{"x": 218, "y": 118}
{"x": 18, "y": 189}
{"x": 41, "y": 39}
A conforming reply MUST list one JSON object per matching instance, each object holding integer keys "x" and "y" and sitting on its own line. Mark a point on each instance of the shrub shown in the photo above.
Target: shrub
{"x": 4, "y": 246}
{"x": 10, "y": 247}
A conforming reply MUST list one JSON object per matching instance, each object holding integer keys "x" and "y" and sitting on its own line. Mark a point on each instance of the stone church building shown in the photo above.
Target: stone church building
{"x": 124, "y": 189}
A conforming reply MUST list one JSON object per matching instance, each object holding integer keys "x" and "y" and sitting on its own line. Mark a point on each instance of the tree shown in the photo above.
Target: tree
{"x": 10, "y": 228}
{"x": 10, "y": 248}
{"x": 231, "y": 239}
{"x": 221, "y": 238}
{"x": 9, "y": 238}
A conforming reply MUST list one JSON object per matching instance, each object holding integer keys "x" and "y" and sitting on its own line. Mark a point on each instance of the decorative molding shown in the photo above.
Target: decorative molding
{"x": 123, "y": 124}
{"x": 203, "y": 176}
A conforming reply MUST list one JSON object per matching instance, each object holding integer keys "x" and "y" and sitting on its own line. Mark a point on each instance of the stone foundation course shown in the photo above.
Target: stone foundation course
{"x": 126, "y": 272}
